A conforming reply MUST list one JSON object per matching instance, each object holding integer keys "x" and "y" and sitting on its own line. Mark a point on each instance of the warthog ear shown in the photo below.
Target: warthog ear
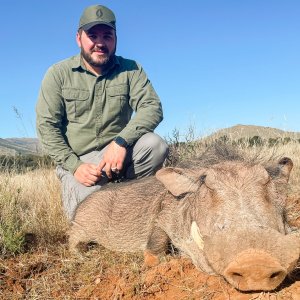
{"x": 282, "y": 170}
{"x": 286, "y": 166}
{"x": 178, "y": 181}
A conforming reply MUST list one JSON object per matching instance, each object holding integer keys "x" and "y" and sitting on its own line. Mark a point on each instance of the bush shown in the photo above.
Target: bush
{"x": 181, "y": 146}
{"x": 255, "y": 141}
{"x": 273, "y": 142}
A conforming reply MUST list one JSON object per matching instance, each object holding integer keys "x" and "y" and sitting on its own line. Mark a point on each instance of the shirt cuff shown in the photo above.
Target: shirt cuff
{"x": 72, "y": 163}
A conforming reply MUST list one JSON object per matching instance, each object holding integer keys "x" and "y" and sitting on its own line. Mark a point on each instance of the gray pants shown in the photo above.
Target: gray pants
{"x": 144, "y": 158}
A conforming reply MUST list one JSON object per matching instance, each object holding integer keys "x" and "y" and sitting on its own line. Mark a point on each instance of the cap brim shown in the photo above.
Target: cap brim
{"x": 92, "y": 24}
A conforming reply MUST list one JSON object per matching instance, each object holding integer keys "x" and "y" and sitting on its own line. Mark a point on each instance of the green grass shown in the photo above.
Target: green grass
{"x": 12, "y": 235}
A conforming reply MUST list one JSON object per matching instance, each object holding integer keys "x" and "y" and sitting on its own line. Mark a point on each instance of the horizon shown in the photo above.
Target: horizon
{"x": 197, "y": 137}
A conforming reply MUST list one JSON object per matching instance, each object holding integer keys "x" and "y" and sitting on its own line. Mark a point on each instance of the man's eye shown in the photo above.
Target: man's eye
{"x": 92, "y": 36}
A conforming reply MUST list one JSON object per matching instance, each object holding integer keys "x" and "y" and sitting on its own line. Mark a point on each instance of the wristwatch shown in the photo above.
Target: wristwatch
{"x": 121, "y": 142}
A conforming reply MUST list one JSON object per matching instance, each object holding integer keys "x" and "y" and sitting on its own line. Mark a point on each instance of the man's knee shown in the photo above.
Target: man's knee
{"x": 157, "y": 145}
{"x": 149, "y": 154}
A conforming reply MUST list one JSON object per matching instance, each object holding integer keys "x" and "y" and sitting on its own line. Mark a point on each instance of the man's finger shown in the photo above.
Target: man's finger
{"x": 95, "y": 172}
{"x": 89, "y": 182}
{"x": 92, "y": 178}
{"x": 119, "y": 166}
{"x": 101, "y": 166}
{"x": 108, "y": 170}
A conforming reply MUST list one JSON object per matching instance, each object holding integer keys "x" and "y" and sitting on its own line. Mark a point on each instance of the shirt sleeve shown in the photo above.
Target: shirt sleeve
{"x": 50, "y": 115}
{"x": 146, "y": 105}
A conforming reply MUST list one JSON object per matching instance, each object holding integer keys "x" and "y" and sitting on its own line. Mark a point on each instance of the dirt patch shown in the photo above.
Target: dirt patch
{"x": 105, "y": 275}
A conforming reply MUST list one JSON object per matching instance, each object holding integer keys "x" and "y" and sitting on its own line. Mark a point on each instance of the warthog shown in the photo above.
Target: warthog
{"x": 229, "y": 218}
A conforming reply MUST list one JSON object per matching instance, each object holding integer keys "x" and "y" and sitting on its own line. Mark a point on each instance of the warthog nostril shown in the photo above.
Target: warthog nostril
{"x": 236, "y": 275}
{"x": 236, "y": 278}
{"x": 277, "y": 274}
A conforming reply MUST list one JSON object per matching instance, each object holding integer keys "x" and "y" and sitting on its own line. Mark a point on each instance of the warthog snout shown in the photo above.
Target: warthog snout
{"x": 255, "y": 264}
{"x": 255, "y": 270}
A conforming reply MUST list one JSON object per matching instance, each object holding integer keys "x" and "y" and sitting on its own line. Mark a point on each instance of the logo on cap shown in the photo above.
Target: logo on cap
{"x": 99, "y": 13}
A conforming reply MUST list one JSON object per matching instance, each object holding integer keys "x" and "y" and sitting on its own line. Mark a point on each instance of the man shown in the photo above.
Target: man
{"x": 84, "y": 113}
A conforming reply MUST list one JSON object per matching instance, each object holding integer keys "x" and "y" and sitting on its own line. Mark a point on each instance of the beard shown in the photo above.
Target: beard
{"x": 101, "y": 61}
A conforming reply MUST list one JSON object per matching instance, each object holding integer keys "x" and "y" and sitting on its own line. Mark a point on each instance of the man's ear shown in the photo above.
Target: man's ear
{"x": 78, "y": 38}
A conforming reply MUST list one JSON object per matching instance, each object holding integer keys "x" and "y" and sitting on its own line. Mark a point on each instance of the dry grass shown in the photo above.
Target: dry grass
{"x": 30, "y": 207}
{"x": 30, "y": 203}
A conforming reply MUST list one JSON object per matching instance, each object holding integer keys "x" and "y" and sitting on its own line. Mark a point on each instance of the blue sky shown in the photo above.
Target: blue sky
{"x": 214, "y": 63}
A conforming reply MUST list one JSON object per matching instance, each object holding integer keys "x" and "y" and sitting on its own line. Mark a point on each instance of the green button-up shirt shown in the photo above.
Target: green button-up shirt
{"x": 78, "y": 112}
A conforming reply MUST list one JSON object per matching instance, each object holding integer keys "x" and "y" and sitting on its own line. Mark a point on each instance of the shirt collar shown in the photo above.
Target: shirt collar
{"x": 77, "y": 63}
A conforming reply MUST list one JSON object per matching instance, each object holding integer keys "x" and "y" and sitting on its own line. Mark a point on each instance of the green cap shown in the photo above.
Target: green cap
{"x": 97, "y": 14}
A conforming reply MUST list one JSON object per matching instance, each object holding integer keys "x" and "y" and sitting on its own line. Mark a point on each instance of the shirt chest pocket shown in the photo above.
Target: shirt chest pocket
{"x": 117, "y": 99}
{"x": 77, "y": 104}
{"x": 117, "y": 90}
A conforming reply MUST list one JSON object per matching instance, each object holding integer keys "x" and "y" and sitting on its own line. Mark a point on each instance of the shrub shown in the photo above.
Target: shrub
{"x": 255, "y": 141}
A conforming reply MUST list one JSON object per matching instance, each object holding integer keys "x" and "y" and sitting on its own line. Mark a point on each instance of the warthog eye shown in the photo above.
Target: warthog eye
{"x": 285, "y": 161}
{"x": 202, "y": 179}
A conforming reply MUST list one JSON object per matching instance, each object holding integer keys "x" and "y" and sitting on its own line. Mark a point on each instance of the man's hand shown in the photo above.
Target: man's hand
{"x": 87, "y": 174}
{"x": 113, "y": 159}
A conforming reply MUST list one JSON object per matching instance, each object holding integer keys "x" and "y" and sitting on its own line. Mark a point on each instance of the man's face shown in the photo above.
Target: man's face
{"x": 97, "y": 45}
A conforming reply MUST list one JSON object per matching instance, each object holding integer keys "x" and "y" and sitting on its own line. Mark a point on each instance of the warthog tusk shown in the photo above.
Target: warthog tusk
{"x": 196, "y": 235}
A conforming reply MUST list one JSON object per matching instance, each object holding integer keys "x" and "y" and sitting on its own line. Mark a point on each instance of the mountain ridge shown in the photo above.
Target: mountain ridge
{"x": 25, "y": 146}
{"x": 247, "y": 131}
{"x": 19, "y": 146}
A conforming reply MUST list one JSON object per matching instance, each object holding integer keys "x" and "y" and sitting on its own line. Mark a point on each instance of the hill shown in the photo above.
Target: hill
{"x": 23, "y": 146}
{"x": 249, "y": 131}
{"x": 19, "y": 146}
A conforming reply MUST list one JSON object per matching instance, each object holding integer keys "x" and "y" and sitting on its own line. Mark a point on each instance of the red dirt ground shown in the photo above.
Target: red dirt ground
{"x": 175, "y": 279}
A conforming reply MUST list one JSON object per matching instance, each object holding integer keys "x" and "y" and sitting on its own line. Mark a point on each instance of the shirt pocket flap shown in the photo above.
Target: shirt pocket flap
{"x": 117, "y": 90}
{"x": 73, "y": 94}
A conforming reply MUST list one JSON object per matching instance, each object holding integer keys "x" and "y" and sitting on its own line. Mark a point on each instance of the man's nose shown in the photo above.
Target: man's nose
{"x": 99, "y": 41}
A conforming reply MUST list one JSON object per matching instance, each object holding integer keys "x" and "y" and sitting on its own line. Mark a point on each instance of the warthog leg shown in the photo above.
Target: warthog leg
{"x": 157, "y": 243}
